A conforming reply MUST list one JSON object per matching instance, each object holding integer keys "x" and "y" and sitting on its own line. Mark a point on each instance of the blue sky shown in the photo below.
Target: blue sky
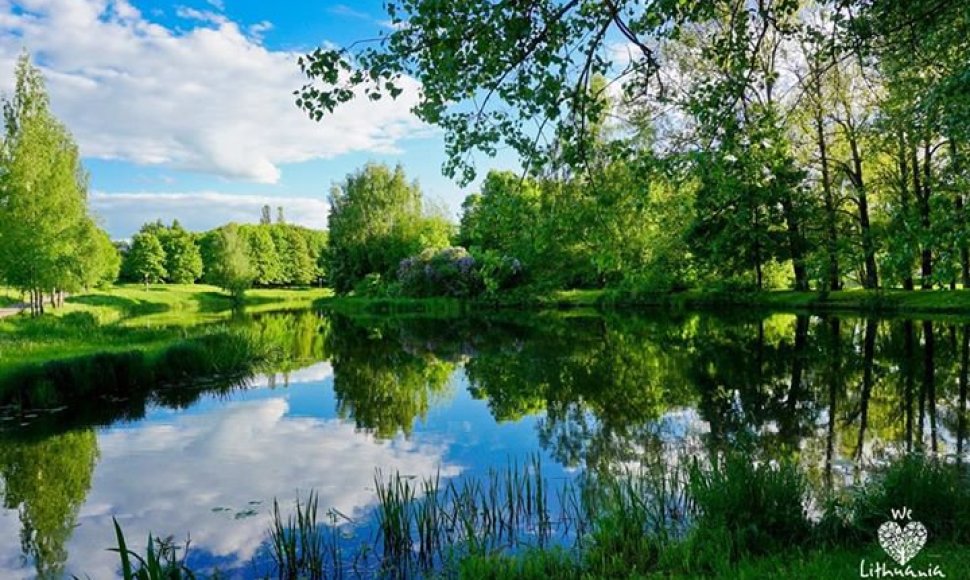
{"x": 185, "y": 109}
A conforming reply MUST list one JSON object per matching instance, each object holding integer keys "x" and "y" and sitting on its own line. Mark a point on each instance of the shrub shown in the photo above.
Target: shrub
{"x": 373, "y": 286}
{"x": 449, "y": 272}
{"x": 499, "y": 272}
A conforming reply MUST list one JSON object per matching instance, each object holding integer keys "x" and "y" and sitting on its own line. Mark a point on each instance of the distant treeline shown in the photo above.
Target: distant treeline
{"x": 267, "y": 254}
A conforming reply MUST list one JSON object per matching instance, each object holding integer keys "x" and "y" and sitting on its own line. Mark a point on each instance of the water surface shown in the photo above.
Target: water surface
{"x": 207, "y": 455}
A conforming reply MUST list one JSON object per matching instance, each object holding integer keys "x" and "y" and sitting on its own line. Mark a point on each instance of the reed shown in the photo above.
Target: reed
{"x": 683, "y": 518}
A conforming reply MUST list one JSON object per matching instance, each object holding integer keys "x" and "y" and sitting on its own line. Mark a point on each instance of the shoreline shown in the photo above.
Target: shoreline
{"x": 881, "y": 303}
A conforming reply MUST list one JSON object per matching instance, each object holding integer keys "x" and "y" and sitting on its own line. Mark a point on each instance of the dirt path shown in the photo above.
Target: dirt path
{"x": 13, "y": 309}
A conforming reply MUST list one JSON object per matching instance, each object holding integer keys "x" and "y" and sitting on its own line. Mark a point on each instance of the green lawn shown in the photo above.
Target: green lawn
{"x": 8, "y": 297}
{"x": 884, "y": 302}
{"x": 130, "y": 317}
{"x": 893, "y": 301}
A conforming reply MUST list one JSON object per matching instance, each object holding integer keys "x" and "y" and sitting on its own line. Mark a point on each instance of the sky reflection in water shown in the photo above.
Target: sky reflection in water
{"x": 458, "y": 399}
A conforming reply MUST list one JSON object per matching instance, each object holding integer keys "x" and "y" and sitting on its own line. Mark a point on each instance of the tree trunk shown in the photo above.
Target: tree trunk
{"x": 961, "y": 211}
{"x": 904, "y": 198}
{"x": 795, "y": 244}
{"x": 758, "y": 273}
{"x": 868, "y": 246}
{"x": 831, "y": 238}
{"x": 921, "y": 188}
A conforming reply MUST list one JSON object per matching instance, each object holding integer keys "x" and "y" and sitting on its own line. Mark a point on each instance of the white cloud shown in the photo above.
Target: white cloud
{"x": 344, "y": 10}
{"x": 211, "y": 99}
{"x": 124, "y": 213}
{"x": 201, "y": 15}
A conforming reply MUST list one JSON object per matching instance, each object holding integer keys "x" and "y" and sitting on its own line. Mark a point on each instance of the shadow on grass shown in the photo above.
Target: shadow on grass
{"x": 127, "y": 306}
{"x": 213, "y": 302}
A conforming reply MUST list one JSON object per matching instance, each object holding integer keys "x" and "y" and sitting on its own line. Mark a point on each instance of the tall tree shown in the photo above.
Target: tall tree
{"x": 376, "y": 220}
{"x": 146, "y": 259}
{"x": 43, "y": 208}
{"x": 183, "y": 261}
{"x": 229, "y": 266}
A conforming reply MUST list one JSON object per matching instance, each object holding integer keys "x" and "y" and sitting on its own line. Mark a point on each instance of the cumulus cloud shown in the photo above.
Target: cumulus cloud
{"x": 122, "y": 214}
{"x": 210, "y": 98}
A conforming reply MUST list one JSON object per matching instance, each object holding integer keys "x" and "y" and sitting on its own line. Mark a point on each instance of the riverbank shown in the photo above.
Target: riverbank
{"x": 875, "y": 302}
{"x": 131, "y": 317}
{"x": 737, "y": 517}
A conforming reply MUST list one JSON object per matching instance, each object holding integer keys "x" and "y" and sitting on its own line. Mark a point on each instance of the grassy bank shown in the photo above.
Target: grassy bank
{"x": 735, "y": 518}
{"x": 130, "y": 317}
{"x": 856, "y": 300}
{"x": 882, "y": 302}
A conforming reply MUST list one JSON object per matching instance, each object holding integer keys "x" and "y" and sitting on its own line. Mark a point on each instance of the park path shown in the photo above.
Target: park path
{"x": 13, "y": 309}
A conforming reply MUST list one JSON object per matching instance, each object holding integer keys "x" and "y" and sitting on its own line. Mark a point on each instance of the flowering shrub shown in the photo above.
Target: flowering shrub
{"x": 454, "y": 272}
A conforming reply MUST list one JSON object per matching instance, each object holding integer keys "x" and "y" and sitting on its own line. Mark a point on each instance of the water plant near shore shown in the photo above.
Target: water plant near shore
{"x": 687, "y": 517}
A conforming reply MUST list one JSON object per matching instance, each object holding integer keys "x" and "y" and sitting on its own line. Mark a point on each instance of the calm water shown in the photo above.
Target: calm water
{"x": 457, "y": 397}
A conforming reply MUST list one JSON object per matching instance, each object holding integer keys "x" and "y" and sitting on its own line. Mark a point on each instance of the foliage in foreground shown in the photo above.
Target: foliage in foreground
{"x": 733, "y": 518}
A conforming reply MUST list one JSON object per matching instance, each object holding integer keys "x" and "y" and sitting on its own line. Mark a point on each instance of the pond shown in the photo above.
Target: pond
{"x": 183, "y": 445}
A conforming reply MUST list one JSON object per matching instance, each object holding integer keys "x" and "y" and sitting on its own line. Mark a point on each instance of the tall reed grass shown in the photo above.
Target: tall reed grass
{"x": 684, "y": 518}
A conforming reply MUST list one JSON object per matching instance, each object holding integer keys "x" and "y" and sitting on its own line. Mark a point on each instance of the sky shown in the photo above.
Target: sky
{"x": 185, "y": 110}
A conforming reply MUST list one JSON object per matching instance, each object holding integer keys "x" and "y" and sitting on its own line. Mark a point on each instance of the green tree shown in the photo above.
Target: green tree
{"x": 183, "y": 261}
{"x": 228, "y": 266}
{"x": 101, "y": 261}
{"x": 267, "y": 269}
{"x": 43, "y": 210}
{"x": 300, "y": 265}
{"x": 519, "y": 71}
{"x": 376, "y": 220}
{"x": 146, "y": 259}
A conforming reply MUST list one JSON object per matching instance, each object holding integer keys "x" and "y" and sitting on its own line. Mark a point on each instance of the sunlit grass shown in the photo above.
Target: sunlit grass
{"x": 130, "y": 317}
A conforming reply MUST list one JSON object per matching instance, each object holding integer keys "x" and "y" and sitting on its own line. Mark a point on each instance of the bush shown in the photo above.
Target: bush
{"x": 373, "y": 286}
{"x": 449, "y": 272}
{"x": 499, "y": 272}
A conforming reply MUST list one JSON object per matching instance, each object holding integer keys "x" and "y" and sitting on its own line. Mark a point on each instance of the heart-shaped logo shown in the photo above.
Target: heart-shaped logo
{"x": 902, "y": 544}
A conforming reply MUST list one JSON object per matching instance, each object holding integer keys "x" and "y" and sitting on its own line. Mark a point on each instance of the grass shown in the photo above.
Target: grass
{"x": 892, "y": 301}
{"x": 161, "y": 561}
{"x": 883, "y": 302}
{"x": 734, "y": 518}
{"x": 359, "y": 306}
{"x": 9, "y": 297}
{"x": 129, "y": 317}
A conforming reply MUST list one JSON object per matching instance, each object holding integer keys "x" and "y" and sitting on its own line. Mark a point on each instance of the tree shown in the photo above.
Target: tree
{"x": 300, "y": 267}
{"x": 146, "y": 259}
{"x": 522, "y": 70}
{"x": 265, "y": 260}
{"x": 183, "y": 262}
{"x": 43, "y": 210}
{"x": 376, "y": 220}
{"x": 100, "y": 261}
{"x": 229, "y": 266}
